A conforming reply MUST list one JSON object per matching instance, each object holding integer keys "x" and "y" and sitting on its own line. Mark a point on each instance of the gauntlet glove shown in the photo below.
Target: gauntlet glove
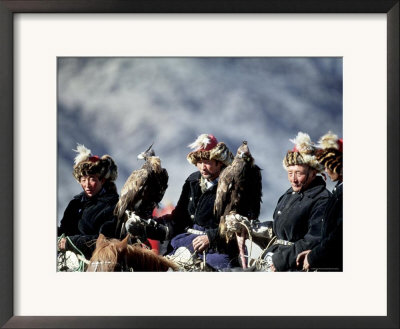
{"x": 146, "y": 228}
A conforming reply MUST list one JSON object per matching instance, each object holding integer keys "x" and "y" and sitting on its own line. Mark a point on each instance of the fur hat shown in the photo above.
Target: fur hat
{"x": 206, "y": 147}
{"x": 330, "y": 153}
{"x": 303, "y": 153}
{"x": 87, "y": 164}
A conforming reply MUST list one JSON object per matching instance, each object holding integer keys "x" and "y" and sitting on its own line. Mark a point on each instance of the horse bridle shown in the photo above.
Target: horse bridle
{"x": 97, "y": 263}
{"x": 123, "y": 266}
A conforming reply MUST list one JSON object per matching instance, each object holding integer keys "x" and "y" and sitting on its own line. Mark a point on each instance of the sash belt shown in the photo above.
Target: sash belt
{"x": 283, "y": 242}
{"x": 193, "y": 231}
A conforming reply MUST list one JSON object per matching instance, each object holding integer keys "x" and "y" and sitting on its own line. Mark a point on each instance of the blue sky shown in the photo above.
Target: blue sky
{"x": 119, "y": 106}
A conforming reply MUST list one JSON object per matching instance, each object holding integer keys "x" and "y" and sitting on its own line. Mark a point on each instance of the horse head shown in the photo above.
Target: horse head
{"x": 107, "y": 255}
{"x": 112, "y": 255}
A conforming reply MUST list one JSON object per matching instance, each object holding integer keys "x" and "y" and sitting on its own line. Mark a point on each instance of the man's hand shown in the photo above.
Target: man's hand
{"x": 302, "y": 258}
{"x": 201, "y": 243}
{"x": 62, "y": 244}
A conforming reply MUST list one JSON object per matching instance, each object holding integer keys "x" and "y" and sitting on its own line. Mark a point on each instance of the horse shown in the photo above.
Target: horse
{"x": 113, "y": 255}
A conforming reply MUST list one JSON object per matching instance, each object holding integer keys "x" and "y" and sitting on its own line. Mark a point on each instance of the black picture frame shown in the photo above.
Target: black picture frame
{"x": 10, "y": 7}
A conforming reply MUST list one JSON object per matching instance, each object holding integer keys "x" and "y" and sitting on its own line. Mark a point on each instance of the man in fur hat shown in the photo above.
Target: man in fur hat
{"x": 88, "y": 211}
{"x": 328, "y": 254}
{"x": 299, "y": 213}
{"x": 192, "y": 223}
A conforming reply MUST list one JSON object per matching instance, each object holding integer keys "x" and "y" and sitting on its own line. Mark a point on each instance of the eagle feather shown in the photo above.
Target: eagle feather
{"x": 83, "y": 153}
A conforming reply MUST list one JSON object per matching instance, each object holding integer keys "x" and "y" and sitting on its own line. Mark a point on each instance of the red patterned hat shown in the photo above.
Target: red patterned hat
{"x": 87, "y": 164}
{"x": 207, "y": 147}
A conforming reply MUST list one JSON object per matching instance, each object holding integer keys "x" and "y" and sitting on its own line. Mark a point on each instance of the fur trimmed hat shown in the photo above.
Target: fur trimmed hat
{"x": 303, "y": 153}
{"x": 87, "y": 164}
{"x": 206, "y": 147}
{"x": 330, "y": 153}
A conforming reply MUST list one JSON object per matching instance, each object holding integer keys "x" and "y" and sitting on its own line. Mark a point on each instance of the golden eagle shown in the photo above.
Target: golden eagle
{"x": 142, "y": 191}
{"x": 239, "y": 191}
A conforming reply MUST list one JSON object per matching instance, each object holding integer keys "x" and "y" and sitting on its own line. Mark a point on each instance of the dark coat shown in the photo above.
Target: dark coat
{"x": 84, "y": 217}
{"x": 298, "y": 219}
{"x": 194, "y": 207}
{"x": 329, "y": 253}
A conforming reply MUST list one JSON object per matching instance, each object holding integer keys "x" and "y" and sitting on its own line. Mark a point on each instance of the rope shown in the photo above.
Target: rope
{"x": 194, "y": 263}
{"x": 250, "y": 238}
{"x": 260, "y": 261}
{"x": 79, "y": 254}
{"x": 271, "y": 242}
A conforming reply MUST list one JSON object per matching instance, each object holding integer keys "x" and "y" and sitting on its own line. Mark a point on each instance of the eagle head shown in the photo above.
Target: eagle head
{"x": 243, "y": 151}
{"x": 146, "y": 154}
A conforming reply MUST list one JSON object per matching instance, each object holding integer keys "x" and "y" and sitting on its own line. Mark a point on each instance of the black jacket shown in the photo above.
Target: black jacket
{"x": 84, "y": 217}
{"x": 194, "y": 207}
{"x": 329, "y": 253}
{"x": 298, "y": 219}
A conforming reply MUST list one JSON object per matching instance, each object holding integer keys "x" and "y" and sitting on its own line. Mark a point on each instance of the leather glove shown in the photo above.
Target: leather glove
{"x": 157, "y": 231}
{"x": 135, "y": 225}
{"x": 235, "y": 223}
{"x": 146, "y": 228}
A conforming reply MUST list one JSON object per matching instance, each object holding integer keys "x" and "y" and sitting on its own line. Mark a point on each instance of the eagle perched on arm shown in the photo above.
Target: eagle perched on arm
{"x": 239, "y": 192}
{"x": 142, "y": 191}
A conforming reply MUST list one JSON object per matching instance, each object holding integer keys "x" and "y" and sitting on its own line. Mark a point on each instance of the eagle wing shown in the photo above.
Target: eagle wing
{"x": 254, "y": 192}
{"x": 223, "y": 194}
{"x": 160, "y": 185}
{"x": 225, "y": 191}
{"x": 131, "y": 194}
{"x": 152, "y": 194}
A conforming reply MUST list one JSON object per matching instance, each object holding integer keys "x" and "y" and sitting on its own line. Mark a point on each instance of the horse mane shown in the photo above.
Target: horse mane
{"x": 105, "y": 256}
{"x": 114, "y": 255}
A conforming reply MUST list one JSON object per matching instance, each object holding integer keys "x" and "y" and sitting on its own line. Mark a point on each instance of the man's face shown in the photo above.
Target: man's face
{"x": 209, "y": 169}
{"x": 332, "y": 175}
{"x": 91, "y": 185}
{"x": 300, "y": 176}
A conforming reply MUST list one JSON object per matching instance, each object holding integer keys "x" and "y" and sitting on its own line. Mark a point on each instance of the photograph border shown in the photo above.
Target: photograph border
{"x": 10, "y": 7}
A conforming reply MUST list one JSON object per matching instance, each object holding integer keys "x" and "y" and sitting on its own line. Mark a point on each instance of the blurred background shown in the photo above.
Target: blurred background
{"x": 119, "y": 106}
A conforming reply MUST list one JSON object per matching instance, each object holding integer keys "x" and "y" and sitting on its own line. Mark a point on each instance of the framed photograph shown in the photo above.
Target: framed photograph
{"x": 50, "y": 45}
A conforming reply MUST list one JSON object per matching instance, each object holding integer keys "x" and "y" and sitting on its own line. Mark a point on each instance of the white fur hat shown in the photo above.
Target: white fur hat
{"x": 330, "y": 153}
{"x": 303, "y": 153}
